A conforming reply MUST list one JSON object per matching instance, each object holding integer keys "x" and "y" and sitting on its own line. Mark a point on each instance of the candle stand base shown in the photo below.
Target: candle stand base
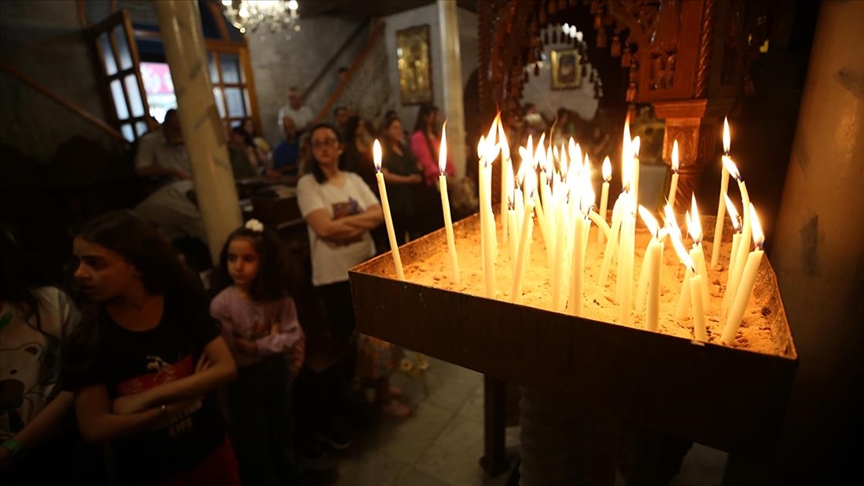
{"x": 726, "y": 397}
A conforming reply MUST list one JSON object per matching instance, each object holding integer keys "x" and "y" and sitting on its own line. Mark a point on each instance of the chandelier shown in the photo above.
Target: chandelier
{"x": 275, "y": 15}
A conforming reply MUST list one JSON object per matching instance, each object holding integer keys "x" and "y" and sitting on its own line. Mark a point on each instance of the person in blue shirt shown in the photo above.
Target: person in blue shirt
{"x": 286, "y": 155}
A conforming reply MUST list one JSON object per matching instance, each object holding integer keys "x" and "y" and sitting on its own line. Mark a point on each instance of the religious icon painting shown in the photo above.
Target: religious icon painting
{"x": 565, "y": 69}
{"x": 413, "y": 60}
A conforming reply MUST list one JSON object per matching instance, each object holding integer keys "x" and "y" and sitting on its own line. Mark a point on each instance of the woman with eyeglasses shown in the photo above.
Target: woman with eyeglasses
{"x": 340, "y": 210}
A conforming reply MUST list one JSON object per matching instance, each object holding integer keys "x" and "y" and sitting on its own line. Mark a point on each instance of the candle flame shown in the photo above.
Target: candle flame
{"x": 733, "y": 213}
{"x": 530, "y": 183}
{"x": 626, "y": 137}
{"x": 675, "y": 156}
{"x": 607, "y": 169}
{"x": 376, "y": 155}
{"x": 525, "y": 156}
{"x": 442, "y": 151}
{"x": 756, "y": 226}
{"x": 502, "y": 139}
{"x": 481, "y": 146}
{"x": 731, "y": 168}
{"x": 575, "y": 150}
{"x": 493, "y": 130}
{"x": 529, "y": 149}
{"x": 649, "y": 220}
{"x": 694, "y": 223}
{"x": 726, "y": 138}
{"x": 671, "y": 222}
{"x": 682, "y": 252}
{"x": 635, "y": 146}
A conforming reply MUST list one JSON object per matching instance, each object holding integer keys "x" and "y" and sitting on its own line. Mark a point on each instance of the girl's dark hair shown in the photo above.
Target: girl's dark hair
{"x": 316, "y": 169}
{"x": 162, "y": 273}
{"x": 424, "y": 111}
{"x": 273, "y": 281}
{"x": 20, "y": 277}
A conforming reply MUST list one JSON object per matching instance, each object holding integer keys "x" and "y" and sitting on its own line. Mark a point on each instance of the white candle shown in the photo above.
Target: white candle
{"x": 577, "y": 286}
{"x": 748, "y": 279}
{"x": 541, "y": 218}
{"x": 445, "y": 206}
{"x": 724, "y": 187}
{"x": 674, "y": 187}
{"x": 560, "y": 248}
{"x": 625, "y": 275}
{"x": 649, "y": 276}
{"x": 506, "y": 175}
{"x": 604, "y": 195}
{"x": 514, "y": 235}
{"x": 635, "y": 147}
{"x": 385, "y": 204}
{"x": 611, "y": 242}
{"x": 698, "y": 309}
{"x": 522, "y": 252}
{"x": 744, "y": 244}
{"x": 694, "y": 226}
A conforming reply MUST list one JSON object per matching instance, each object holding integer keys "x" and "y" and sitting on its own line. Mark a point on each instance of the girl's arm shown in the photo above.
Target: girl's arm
{"x": 331, "y": 229}
{"x": 47, "y": 422}
{"x": 219, "y": 370}
{"x": 99, "y": 424}
{"x": 367, "y": 220}
{"x": 288, "y": 331}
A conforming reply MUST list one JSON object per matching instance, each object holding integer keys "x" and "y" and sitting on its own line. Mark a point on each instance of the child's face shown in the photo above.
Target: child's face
{"x": 102, "y": 273}
{"x": 242, "y": 262}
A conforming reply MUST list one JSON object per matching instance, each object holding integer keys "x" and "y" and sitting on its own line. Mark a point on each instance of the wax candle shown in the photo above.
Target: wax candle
{"x": 577, "y": 286}
{"x": 748, "y": 279}
{"x": 604, "y": 195}
{"x": 649, "y": 277}
{"x": 674, "y": 187}
{"x": 560, "y": 249}
{"x": 625, "y": 275}
{"x": 506, "y": 175}
{"x": 724, "y": 187}
{"x": 692, "y": 284}
{"x": 736, "y": 240}
{"x": 694, "y": 227}
{"x": 612, "y": 241}
{"x": 744, "y": 245}
{"x": 445, "y": 206}
{"x": 634, "y": 148}
{"x": 524, "y": 235}
{"x": 385, "y": 204}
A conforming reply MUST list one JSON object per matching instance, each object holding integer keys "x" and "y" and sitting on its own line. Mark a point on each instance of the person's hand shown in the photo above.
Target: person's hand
{"x": 298, "y": 356}
{"x": 169, "y": 415}
{"x": 415, "y": 178}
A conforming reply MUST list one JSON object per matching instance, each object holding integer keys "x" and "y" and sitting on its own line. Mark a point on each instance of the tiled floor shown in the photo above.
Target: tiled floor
{"x": 441, "y": 444}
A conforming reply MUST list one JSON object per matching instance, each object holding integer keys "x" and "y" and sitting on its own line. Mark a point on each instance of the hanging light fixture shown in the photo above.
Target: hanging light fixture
{"x": 275, "y": 15}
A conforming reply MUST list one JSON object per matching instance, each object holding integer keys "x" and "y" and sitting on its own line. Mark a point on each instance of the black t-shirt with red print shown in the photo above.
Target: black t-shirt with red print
{"x": 129, "y": 362}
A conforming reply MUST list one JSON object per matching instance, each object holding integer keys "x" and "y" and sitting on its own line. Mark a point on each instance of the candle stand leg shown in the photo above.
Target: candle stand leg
{"x": 494, "y": 460}
{"x": 562, "y": 445}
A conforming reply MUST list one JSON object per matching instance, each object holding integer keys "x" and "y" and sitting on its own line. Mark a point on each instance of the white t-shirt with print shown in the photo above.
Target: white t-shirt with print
{"x": 331, "y": 261}
{"x": 30, "y": 356}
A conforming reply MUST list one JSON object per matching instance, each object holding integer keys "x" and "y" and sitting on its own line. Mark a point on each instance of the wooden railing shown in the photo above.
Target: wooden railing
{"x": 81, "y": 112}
{"x": 360, "y": 73}
{"x": 326, "y": 69}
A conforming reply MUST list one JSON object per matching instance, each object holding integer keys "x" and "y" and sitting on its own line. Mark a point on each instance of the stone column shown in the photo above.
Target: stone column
{"x": 180, "y": 25}
{"x": 818, "y": 254}
{"x": 452, "y": 79}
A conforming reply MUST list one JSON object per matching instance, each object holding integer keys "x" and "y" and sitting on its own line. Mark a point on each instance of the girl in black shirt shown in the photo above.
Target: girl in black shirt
{"x": 146, "y": 359}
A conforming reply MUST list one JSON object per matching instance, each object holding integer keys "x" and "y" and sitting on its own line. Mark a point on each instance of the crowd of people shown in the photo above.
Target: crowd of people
{"x": 191, "y": 381}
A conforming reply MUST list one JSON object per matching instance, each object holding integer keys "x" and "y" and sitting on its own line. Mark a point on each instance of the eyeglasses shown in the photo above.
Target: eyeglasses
{"x": 328, "y": 143}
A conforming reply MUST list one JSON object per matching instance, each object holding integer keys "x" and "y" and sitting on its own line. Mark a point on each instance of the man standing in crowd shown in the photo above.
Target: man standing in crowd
{"x": 302, "y": 115}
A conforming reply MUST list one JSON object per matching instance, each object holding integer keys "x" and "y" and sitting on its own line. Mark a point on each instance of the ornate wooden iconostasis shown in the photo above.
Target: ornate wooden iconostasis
{"x": 688, "y": 59}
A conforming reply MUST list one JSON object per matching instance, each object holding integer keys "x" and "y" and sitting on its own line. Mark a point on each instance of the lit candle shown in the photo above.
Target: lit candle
{"x": 748, "y": 279}
{"x": 649, "y": 278}
{"x": 674, "y": 187}
{"x": 692, "y": 282}
{"x": 736, "y": 240}
{"x": 506, "y": 175}
{"x": 694, "y": 227}
{"x": 388, "y": 219}
{"x": 724, "y": 187}
{"x": 744, "y": 246}
{"x": 604, "y": 194}
{"x": 585, "y": 195}
{"x": 634, "y": 148}
{"x": 625, "y": 260}
{"x": 560, "y": 246}
{"x": 522, "y": 252}
{"x": 612, "y": 241}
{"x": 514, "y": 235}
{"x": 445, "y": 205}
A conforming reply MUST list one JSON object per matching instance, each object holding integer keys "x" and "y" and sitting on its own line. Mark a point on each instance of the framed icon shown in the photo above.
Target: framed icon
{"x": 414, "y": 62}
{"x": 566, "y": 73}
